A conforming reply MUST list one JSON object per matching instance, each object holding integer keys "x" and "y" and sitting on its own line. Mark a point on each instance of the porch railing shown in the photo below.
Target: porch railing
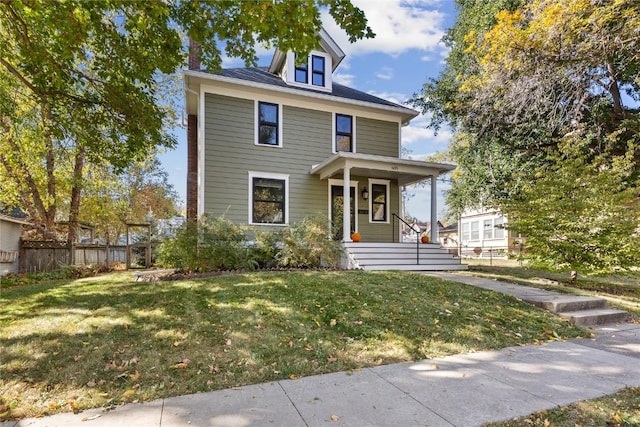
{"x": 393, "y": 238}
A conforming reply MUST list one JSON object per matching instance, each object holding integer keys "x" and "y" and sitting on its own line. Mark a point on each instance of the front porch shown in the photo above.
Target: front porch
{"x": 400, "y": 256}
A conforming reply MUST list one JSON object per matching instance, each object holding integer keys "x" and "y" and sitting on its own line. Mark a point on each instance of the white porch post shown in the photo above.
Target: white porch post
{"x": 346, "y": 204}
{"x": 434, "y": 210}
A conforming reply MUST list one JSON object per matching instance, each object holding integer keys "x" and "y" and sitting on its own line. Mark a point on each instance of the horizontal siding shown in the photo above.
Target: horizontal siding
{"x": 230, "y": 152}
{"x": 377, "y": 137}
{"x": 376, "y": 232}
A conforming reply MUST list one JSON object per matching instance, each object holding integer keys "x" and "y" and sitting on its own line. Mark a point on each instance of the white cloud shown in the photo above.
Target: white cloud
{"x": 417, "y": 132}
{"x": 344, "y": 79}
{"x": 386, "y": 73}
{"x": 400, "y": 25}
{"x": 396, "y": 97}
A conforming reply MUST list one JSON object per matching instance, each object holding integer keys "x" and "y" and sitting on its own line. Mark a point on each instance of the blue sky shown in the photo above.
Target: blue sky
{"x": 406, "y": 51}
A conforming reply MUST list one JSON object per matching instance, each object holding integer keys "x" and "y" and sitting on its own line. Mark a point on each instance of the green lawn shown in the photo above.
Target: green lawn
{"x": 621, "y": 290}
{"x": 107, "y": 340}
{"x": 618, "y": 410}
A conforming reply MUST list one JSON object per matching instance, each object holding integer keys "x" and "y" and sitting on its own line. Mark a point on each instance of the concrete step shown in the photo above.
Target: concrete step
{"x": 415, "y": 267}
{"x": 595, "y": 317}
{"x": 568, "y": 303}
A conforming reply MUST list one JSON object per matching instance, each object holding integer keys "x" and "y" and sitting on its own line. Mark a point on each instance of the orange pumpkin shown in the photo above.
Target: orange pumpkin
{"x": 356, "y": 237}
{"x": 425, "y": 239}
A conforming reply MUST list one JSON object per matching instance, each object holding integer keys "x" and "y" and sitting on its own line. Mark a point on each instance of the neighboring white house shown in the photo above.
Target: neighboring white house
{"x": 10, "y": 231}
{"x": 167, "y": 228}
{"x": 483, "y": 233}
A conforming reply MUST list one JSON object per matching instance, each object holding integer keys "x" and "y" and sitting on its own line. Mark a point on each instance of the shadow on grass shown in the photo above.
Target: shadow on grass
{"x": 108, "y": 340}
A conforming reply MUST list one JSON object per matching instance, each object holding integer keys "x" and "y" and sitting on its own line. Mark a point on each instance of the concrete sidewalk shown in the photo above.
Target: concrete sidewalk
{"x": 462, "y": 390}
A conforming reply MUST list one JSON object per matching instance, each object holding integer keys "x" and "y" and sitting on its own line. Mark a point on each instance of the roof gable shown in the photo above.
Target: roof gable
{"x": 327, "y": 44}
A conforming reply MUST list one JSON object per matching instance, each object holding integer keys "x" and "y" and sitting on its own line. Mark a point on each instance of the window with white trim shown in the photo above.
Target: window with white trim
{"x": 379, "y": 201}
{"x": 466, "y": 231}
{"x": 475, "y": 230}
{"x": 498, "y": 231}
{"x": 344, "y": 140}
{"x": 268, "y": 124}
{"x": 268, "y": 198}
{"x": 311, "y": 72}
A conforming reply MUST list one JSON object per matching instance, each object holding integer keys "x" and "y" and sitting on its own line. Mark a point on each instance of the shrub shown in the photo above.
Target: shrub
{"x": 308, "y": 244}
{"x": 209, "y": 245}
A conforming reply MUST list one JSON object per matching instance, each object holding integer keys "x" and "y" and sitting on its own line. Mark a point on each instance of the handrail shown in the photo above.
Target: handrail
{"x": 393, "y": 238}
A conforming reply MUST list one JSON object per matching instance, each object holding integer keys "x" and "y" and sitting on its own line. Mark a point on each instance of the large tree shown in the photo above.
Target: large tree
{"x": 79, "y": 80}
{"x": 544, "y": 98}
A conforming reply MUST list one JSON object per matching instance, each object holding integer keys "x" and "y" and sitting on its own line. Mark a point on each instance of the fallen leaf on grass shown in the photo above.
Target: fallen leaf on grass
{"x": 331, "y": 359}
{"x": 128, "y": 393}
{"x": 135, "y": 376}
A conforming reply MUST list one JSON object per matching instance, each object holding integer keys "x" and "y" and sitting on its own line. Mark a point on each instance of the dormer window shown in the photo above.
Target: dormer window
{"x": 314, "y": 73}
{"x": 317, "y": 70}
{"x": 302, "y": 72}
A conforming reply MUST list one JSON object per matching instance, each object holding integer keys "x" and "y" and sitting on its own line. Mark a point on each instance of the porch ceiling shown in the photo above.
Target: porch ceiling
{"x": 404, "y": 170}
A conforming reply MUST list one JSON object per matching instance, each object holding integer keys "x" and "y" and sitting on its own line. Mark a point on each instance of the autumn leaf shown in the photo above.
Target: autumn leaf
{"x": 127, "y": 394}
{"x": 135, "y": 376}
{"x": 331, "y": 359}
{"x": 335, "y": 418}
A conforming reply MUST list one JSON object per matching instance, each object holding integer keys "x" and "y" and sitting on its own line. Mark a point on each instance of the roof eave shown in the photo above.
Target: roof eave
{"x": 407, "y": 114}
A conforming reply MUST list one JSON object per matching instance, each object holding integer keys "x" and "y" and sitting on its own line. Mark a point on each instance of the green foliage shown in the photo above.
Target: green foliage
{"x": 218, "y": 244}
{"x": 85, "y": 83}
{"x": 534, "y": 90}
{"x": 68, "y": 272}
{"x": 210, "y": 245}
{"x": 308, "y": 243}
{"x": 580, "y": 213}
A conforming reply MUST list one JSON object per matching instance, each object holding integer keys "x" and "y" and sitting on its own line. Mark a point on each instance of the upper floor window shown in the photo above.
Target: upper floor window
{"x": 344, "y": 133}
{"x": 301, "y": 71}
{"x": 313, "y": 71}
{"x": 317, "y": 70}
{"x": 268, "y": 128}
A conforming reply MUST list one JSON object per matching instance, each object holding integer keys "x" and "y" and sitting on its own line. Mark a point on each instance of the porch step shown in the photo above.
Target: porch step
{"x": 599, "y": 316}
{"x": 569, "y": 303}
{"x": 402, "y": 256}
{"x": 415, "y": 267}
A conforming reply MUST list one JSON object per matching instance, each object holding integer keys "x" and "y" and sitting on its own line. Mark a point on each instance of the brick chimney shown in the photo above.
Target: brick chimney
{"x": 192, "y": 143}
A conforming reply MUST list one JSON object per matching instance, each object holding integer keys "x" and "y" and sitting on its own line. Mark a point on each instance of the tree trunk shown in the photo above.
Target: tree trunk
{"x": 76, "y": 191}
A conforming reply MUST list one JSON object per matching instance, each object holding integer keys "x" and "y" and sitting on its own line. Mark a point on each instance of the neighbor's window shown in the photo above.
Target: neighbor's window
{"x": 487, "y": 229}
{"x": 466, "y": 234}
{"x": 344, "y": 133}
{"x": 498, "y": 232}
{"x": 317, "y": 70}
{"x": 475, "y": 230}
{"x": 268, "y": 124}
{"x": 268, "y": 200}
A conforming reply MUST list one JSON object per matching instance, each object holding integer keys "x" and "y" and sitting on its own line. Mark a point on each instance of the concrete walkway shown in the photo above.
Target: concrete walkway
{"x": 462, "y": 390}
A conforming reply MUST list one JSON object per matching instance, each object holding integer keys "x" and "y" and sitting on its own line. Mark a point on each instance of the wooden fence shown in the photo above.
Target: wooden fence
{"x": 38, "y": 256}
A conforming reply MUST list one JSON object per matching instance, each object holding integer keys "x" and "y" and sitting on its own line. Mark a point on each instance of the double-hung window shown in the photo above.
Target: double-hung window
{"x": 301, "y": 71}
{"x": 344, "y": 133}
{"x": 317, "y": 70}
{"x": 268, "y": 124}
{"x": 268, "y": 198}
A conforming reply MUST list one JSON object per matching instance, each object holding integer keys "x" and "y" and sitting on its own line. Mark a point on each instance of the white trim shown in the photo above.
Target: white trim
{"x": 268, "y": 175}
{"x": 340, "y": 183}
{"x": 201, "y": 153}
{"x": 334, "y": 129}
{"x": 290, "y": 75}
{"x": 306, "y": 98}
{"x": 386, "y": 183}
{"x": 256, "y": 124}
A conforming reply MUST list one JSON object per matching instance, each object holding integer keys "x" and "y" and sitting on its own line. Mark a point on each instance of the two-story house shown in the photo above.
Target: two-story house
{"x": 484, "y": 233}
{"x": 271, "y": 145}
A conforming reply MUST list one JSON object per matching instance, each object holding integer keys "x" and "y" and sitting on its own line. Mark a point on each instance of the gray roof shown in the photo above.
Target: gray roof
{"x": 261, "y": 75}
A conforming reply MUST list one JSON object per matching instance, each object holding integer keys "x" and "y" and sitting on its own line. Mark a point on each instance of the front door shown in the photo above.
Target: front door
{"x": 337, "y": 208}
